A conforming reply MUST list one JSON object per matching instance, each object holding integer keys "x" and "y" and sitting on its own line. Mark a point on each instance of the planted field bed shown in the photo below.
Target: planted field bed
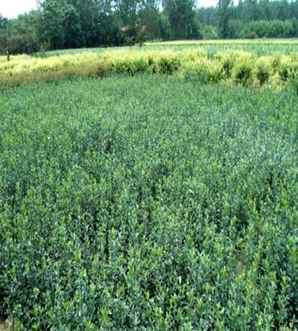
{"x": 230, "y": 67}
{"x": 148, "y": 203}
{"x": 257, "y": 46}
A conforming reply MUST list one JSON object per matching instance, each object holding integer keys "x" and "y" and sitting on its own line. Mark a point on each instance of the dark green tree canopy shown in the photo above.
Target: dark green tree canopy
{"x": 59, "y": 24}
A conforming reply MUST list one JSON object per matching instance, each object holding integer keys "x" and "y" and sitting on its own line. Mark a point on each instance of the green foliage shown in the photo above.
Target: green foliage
{"x": 263, "y": 72}
{"x": 242, "y": 73}
{"x": 19, "y": 36}
{"x": 204, "y": 71}
{"x": 268, "y": 29}
{"x": 182, "y": 19}
{"x": 253, "y": 19}
{"x": 67, "y": 24}
{"x": 224, "y": 16}
{"x": 294, "y": 85}
{"x": 148, "y": 203}
{"x": 209, "y": 32}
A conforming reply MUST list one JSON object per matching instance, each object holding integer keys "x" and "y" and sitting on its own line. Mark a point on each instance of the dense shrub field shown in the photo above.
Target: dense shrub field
{"x": 146, "y": 203}
{"x": 230, "y": 67}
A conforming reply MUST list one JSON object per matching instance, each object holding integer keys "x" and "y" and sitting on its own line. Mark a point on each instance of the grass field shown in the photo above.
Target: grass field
{"x": 150, "y": 188}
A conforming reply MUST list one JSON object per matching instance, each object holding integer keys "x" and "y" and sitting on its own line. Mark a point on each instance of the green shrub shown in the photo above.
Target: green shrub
{"x": 264, "y": 70}
{"x": 204, "y": 71}
{"x": 209, "y": 32}
{"x": 168, "y": 65}
{"x": 242, "y": 73}
{"x": 148, "y": 203}
{"x": 288, "y": 70}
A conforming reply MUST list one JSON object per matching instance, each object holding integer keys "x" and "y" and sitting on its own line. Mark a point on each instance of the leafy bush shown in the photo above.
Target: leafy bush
{"x": 264, "y": 70}
{"x": 204, "y": 71}
{"x": 209, "y": 32}
{"x": 242, "y": 73}
{"x": 168, "y": 65}
{"x": 148, "y": 203}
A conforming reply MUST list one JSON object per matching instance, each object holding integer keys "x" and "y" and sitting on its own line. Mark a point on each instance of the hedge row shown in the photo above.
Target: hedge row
{"x": 231, "y": 67}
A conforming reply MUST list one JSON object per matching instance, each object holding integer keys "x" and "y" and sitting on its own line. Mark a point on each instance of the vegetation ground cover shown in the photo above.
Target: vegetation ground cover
{"x": 148, "y": 203}
{"x": 253, "y": 68}
{"x": 259, "y": 46}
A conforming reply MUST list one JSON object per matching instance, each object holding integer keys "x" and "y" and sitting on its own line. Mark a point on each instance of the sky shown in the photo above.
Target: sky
{"x": 12, "y": 8}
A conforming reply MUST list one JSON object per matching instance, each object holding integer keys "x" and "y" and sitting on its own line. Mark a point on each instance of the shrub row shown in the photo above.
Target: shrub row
{"x": 231, "y": 67}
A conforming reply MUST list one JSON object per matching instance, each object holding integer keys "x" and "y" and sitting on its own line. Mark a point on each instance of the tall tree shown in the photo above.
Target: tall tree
{"x": 181, "y": 14}
{"x": 3, "y": 34}
{"x": 224, "y": 16}
{"x": 52, "y": 27}
{"x": 150, "y": 18}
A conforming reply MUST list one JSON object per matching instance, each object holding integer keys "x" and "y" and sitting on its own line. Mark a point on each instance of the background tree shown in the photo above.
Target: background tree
{"x": 182, "y": 18}
{"x": 19, "y": 35}
{"x": 224, "y": 16}
{"x": 252, "y": 19}
{"x": 61, "y": 24}
{"x": 3, "y": 34}
{"x": 150, "y": 17}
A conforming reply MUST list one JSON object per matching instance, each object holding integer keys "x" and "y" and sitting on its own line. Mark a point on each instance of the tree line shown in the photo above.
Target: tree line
{"x": 251, "y": 19}
{"x": 59, "y": 24}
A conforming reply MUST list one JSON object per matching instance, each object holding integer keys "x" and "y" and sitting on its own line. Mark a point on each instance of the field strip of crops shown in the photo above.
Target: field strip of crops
{"x": 260, "y": 42}
{"x": 230, "y": 67}
{"x": 148, "y": 203}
